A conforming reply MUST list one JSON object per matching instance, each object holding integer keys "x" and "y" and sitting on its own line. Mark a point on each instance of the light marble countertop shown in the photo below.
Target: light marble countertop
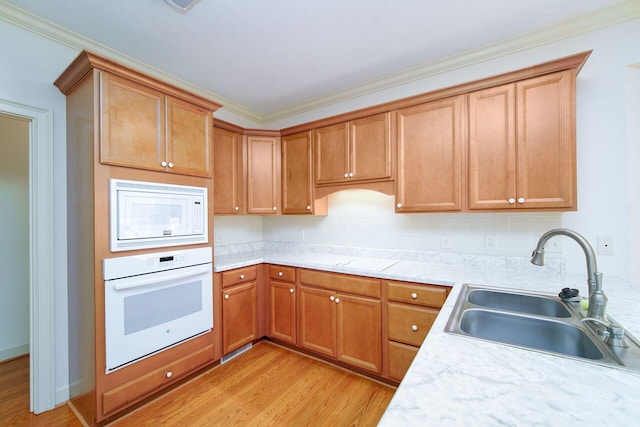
{"x": 456, "y": 380}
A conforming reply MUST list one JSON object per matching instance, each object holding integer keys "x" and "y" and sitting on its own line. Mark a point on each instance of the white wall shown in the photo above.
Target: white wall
{"x": 27, "y": 71}
{"x": 602, "y": 142}
{"x": 14, "y": 257}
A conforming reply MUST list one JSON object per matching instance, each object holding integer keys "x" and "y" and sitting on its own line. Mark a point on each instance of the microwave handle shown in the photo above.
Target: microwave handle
{"x": 159, "y": 280}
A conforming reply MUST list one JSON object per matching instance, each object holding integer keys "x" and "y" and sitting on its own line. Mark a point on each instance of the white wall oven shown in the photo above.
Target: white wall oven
{"x": 152, "y": 215}
{"x": 155, "y": 301}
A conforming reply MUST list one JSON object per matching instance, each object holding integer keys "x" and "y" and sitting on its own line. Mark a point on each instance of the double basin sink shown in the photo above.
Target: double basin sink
{"x": 535, "y": 321}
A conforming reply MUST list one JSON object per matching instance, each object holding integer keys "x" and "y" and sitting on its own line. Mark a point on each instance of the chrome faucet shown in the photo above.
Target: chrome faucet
{"x": 597, "y": 299}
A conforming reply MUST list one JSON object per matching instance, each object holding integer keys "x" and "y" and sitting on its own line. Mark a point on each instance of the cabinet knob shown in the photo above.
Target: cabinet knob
{"x": 280, "y": 273}
{"x": 350, "y": 174}
{"x": 414, "y": 295}
{"x": 346, "y": 175}
{"x": 169, "y": 374}
{"x": 241, "y": 276}
{"x": 275, "y": 208}
{"x": 164, "y": 164}
{"x": 520, "y": 199}
{"x": 511, "y": 201}
{"x": 291, "y": 290}
{"x": 332, "y": 298}
{"x": 226, "y": 296}
{"x": 308, "y": 207}
{"x": 170, "y": 164}
{"x": 237, "y": 208}
{"x": 337, "y": 300}
{"x": 399, "y": 205}
{"x": 414, "y": 328}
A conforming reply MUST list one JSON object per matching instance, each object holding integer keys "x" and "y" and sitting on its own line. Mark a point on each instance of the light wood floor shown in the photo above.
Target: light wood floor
{"x": 14, "y": 399}
{"x": 266, "y": 386}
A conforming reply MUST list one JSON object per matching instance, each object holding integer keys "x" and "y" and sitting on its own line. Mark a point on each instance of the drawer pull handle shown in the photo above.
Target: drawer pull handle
{"x": 291, "y": 290}
{"x": 414, "y": 295}
{"x": 169, "y": 374}
{"x": 414, "y": 328}
{"x": 280, "y": 273}
{"x": 241, "y": 276}
{"x": 226, "y": 296}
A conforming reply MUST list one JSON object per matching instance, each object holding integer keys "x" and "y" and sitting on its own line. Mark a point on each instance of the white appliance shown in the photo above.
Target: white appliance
{"x": 151, "y": 215}
{"x": 155, "y": 301}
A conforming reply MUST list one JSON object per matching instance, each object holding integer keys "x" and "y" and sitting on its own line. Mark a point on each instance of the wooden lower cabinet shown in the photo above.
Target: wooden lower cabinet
{"x": 239, "y": 316}
{"x": 342, "y": 326}
{"x": 282, "y": 293}
{"x": 400, "y": 357}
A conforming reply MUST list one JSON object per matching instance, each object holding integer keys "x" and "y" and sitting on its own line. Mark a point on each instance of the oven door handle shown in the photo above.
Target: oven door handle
{"x": 195, "y": 271}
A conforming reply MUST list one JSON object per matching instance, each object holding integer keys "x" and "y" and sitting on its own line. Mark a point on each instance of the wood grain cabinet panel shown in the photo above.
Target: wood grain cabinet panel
{"x": 297, "y": 174}
{"x": 239, "y": 316}
{"x": 144, "y": 128}
{"x": 283, "y": 311}
{"x": 318, "y": 322}
{"x": 262, "y": 174}
{"x": 359, "y": 332}
{"x": 409, "y": 324}
{"x": 430, "y": 157}
{"x": 227, "y": 172}
{"x": 355, "y": 151}
{"x": 522, "y": 145}
{"x": 400, "y": 357}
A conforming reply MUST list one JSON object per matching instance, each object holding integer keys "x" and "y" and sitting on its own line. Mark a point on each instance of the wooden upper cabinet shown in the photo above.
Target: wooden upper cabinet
{"x": 188, "y": 138}
{"x": 227, "y": 172}
{"x": 430, "y": 157}
{"x": 262, "y": 174}
{"x": 546, "y": 167}
{"x": 355, "y": 151}
{"x": 132, "y": 124}
{"x": 297, "y": 181}
{"x": 522, "y": 145}
{"x": 142, "y": 127}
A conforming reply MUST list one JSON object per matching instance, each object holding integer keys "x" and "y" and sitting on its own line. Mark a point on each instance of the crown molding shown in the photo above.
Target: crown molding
{"x": 610, "y": 16}
{"x": 35, "y": 24}
{"x": 582, "y": 24}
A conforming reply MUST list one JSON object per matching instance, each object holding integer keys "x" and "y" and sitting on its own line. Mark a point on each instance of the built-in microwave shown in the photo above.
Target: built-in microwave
{"x": 152, "y": 215}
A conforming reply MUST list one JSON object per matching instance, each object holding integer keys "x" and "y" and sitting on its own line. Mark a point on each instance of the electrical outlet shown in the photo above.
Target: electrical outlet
{"x": 491, "y": 242}
{"x": 606, "y": 246}
{"x": 446, "y": 241}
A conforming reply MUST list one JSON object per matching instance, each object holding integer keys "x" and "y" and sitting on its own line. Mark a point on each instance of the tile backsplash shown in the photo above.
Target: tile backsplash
{"x": 366, "y": 219}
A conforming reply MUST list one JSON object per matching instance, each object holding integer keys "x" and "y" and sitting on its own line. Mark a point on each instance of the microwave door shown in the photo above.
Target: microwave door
{"x": 148, "y": 215}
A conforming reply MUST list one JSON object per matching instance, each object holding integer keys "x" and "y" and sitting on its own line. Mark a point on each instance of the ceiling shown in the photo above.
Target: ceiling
{"x": 269, "y": 57}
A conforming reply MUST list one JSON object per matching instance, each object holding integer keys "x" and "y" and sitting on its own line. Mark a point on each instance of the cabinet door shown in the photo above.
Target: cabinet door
{"x": 359, "y": 332}
{"x": 239, "y": 316}
{"x": 188, "y": 138}
{"x": 492, "y": 148}
{"x": 370, "y": 140}
{"x": 332, "y": 154}
{"x": 400, "y": 358}
{"x": 227, "y": 172}
{"x": 297, "y": 181}
{"x": 318, "y": 321}
{"x": 546, "y": 141}
{"x": 263, "y": 175}
{"x": 283, "y": 311}
{"x": 430, "y": 157}
{"x": 132, "y": 128}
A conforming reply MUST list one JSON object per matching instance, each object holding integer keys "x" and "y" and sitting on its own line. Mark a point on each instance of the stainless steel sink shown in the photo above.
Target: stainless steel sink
{"x": 519, "y": 302}
{"x": 528, "y": 331}
{"x": 535, "y": 321}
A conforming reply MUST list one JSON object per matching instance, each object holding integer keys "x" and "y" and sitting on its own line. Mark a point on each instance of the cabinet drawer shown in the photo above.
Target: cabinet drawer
{"x": 409, "y": 324}
{"x": 155, "y": 380}
{"x": 285, "y": 274}
{"x": 239, "y": 275}
{"x": 341, "y": 282}
{"x": 400, "y": 358}
{"x": 428, "y": 295}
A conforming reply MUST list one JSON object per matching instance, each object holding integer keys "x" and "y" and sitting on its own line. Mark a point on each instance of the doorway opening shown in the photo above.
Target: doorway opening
{"x": 40, "y": 252}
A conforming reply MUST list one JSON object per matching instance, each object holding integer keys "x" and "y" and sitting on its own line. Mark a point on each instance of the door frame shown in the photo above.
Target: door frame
{"x": 41, "y": 265}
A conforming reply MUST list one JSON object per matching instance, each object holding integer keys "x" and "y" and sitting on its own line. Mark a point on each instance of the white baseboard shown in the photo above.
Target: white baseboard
{"x": 12, "y": 352}
{"x": 62, "y": 395}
